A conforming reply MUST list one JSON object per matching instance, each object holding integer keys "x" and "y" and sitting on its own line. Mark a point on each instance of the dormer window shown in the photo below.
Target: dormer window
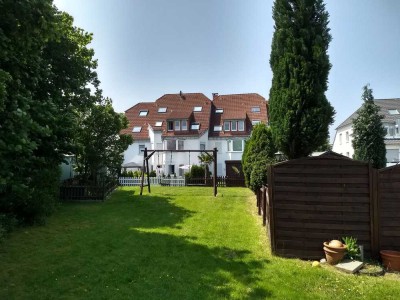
{"x": 137, "y": 129}
{"x": 162, "y": 110}
{"x": 219, "y": 111}
{"x": 158, "y": 124}
{"x": 197, "y": 108}
{"x": 143, "y": 113}
{"x": 234, "y": 125}
{"x": 170, "y": 125}
{"x": 177, "y": 125}
{"x": 195, "y": 126}
{"x": 255, "y": 109}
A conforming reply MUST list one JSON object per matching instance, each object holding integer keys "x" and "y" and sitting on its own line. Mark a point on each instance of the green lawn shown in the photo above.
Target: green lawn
{"x": 177, "y": 243}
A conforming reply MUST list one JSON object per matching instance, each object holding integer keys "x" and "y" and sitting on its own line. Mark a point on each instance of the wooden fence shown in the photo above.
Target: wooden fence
{"x": 312, "y": 200}
{"x": 389, "y": 208}
{"x": 222, "y": 181}
{"x": 85, "y": 192}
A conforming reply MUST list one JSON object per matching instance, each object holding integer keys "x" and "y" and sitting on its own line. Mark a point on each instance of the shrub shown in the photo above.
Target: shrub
{"x": 153, "y": 174}
{"x": 258, "y": 176}
{"x": 7, "y": 224}
{"x": 197, "y": 171}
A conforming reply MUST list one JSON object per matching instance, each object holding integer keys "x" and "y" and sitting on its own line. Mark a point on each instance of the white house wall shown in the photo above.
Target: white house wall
{"x": 343, "y": 141}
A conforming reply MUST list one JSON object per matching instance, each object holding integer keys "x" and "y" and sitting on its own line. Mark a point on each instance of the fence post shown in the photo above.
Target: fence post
{"x": 270, "y": 190}
{"x": 374, "y": 207}
{"x": 264, "y": 205}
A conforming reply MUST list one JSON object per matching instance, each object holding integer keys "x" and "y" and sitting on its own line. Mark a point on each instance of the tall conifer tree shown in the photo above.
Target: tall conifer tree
{"x": 368, "y": 132}
{"x": 300, "y": 114}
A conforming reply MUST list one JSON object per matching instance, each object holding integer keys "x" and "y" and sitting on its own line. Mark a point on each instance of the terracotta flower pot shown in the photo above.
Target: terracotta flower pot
{"x": 334, "y": 254}
{"x": 391, "y": 260}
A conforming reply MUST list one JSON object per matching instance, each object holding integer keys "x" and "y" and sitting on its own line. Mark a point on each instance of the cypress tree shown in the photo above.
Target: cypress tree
{"x": 368, "y": 132}
{"x": 300, "y": 114}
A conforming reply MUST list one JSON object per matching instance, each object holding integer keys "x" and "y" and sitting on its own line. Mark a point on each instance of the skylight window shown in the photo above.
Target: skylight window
{"x": 218, "y": 128}
{"x": 255, "y": 109}
{"x": 219, "y": 111}
{"x": 195, "y": 126}
{"x": 197, "y": 108}
{"x": 393, "y": 112}
{"x": 158, "y": 124}
{"x": 143, "y": 113}
{"x": 162, "y": 109}
{"x": 137, "y": 129}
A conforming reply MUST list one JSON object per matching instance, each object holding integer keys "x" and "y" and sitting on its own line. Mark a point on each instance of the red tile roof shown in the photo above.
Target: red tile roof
{"x": 178, "y": 107}
{"x": 181, "y": 106}
{"x": 237, "y": 107}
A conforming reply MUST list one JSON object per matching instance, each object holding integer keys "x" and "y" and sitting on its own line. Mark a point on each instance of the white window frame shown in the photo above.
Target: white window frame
{"x": 240, "y": 125}
{"x": 195, "y": 126}
{"x": 177, "y": 125}
{"x": 143, "y": 112}
{"x": 181, "y": 145}
{"x": 197, "y": 109}
{"x": 158, "y": 124}
{"x": 340, "y": 138}
{"x": 227, "y": 125}
{"x": 255, "y": 122}
{"x": 184, "y": 125}
{"x": 347, "y": 137}
{"x": 255, "y": 109}
{"x": 234, "y": 126}
{"x": 231, "y": 145}
{"x": 137, "y": 129}
{"x": 162, "y": 110}
{"x": 219, "y": 111}
{"x": 218, "y": 128}
{"x": 141, "y": 148}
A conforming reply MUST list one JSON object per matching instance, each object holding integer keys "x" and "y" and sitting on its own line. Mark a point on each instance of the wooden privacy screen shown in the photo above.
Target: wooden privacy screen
{"x": 316, "y": 199}
{"x": 389, "y": 208}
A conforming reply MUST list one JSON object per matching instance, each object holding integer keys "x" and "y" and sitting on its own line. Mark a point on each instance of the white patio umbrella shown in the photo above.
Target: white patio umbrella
{"x": 185, "y": 167}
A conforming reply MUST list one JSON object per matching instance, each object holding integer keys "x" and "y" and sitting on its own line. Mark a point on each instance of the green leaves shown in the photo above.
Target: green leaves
{"x": 258, "y": 153}
{"x": 300, "y": 114}
{"x": 368, "y": 132}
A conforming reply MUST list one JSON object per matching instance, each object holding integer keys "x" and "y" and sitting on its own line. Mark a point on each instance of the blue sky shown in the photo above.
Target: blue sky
{"x": 147, "y": 48}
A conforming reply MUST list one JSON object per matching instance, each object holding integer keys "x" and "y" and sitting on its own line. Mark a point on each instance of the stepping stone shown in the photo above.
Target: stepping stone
{"x": 349, "y": 266}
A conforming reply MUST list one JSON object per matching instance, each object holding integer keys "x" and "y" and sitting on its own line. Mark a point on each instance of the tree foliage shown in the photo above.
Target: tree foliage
{"x": 100, "y": 146}
{"x": 47, "y": 71}
{"x": 259, "y": 151}
{"x": 368, "y": 132}
{"x": 300, "y": 114}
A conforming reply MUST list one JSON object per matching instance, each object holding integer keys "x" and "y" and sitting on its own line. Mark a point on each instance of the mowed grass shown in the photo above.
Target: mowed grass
{"x": 176, "y": 243}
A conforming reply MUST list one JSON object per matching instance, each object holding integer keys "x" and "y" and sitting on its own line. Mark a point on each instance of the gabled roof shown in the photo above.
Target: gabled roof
{"x": 178, "y": 107}
{"x": 385, "y": 105}
{"x": 237, "y": 107}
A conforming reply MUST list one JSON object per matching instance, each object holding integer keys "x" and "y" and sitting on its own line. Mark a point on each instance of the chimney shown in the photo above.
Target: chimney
{"x": 182, "y": 95}
{"x": 215, "y": 95}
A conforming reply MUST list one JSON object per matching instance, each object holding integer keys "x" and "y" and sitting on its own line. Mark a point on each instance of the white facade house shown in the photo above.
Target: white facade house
{"x": 192, "y": 122}
{"x": 390, "y": 110}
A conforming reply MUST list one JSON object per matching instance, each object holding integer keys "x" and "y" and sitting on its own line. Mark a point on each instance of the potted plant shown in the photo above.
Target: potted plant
{"x": 334, "y": 251}
{"x": 391, "y": 260}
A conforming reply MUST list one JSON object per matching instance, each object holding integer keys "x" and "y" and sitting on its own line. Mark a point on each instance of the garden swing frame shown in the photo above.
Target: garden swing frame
{"x": 147, "y": 154}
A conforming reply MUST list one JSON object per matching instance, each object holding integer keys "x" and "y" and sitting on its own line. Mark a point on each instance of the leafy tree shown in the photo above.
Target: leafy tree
{"x": 99, "y": 142}
{"x": 47, "y": 72}
{"x": 259, "y": 151}
{"x": 368, "y": 132}
{"x": 300, "y": 114}
{"x": 206, "y": 160}
{"x": 325, "y": 146}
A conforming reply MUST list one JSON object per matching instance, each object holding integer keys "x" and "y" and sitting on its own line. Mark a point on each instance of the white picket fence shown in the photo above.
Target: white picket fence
{"x": 130, "y": 181}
